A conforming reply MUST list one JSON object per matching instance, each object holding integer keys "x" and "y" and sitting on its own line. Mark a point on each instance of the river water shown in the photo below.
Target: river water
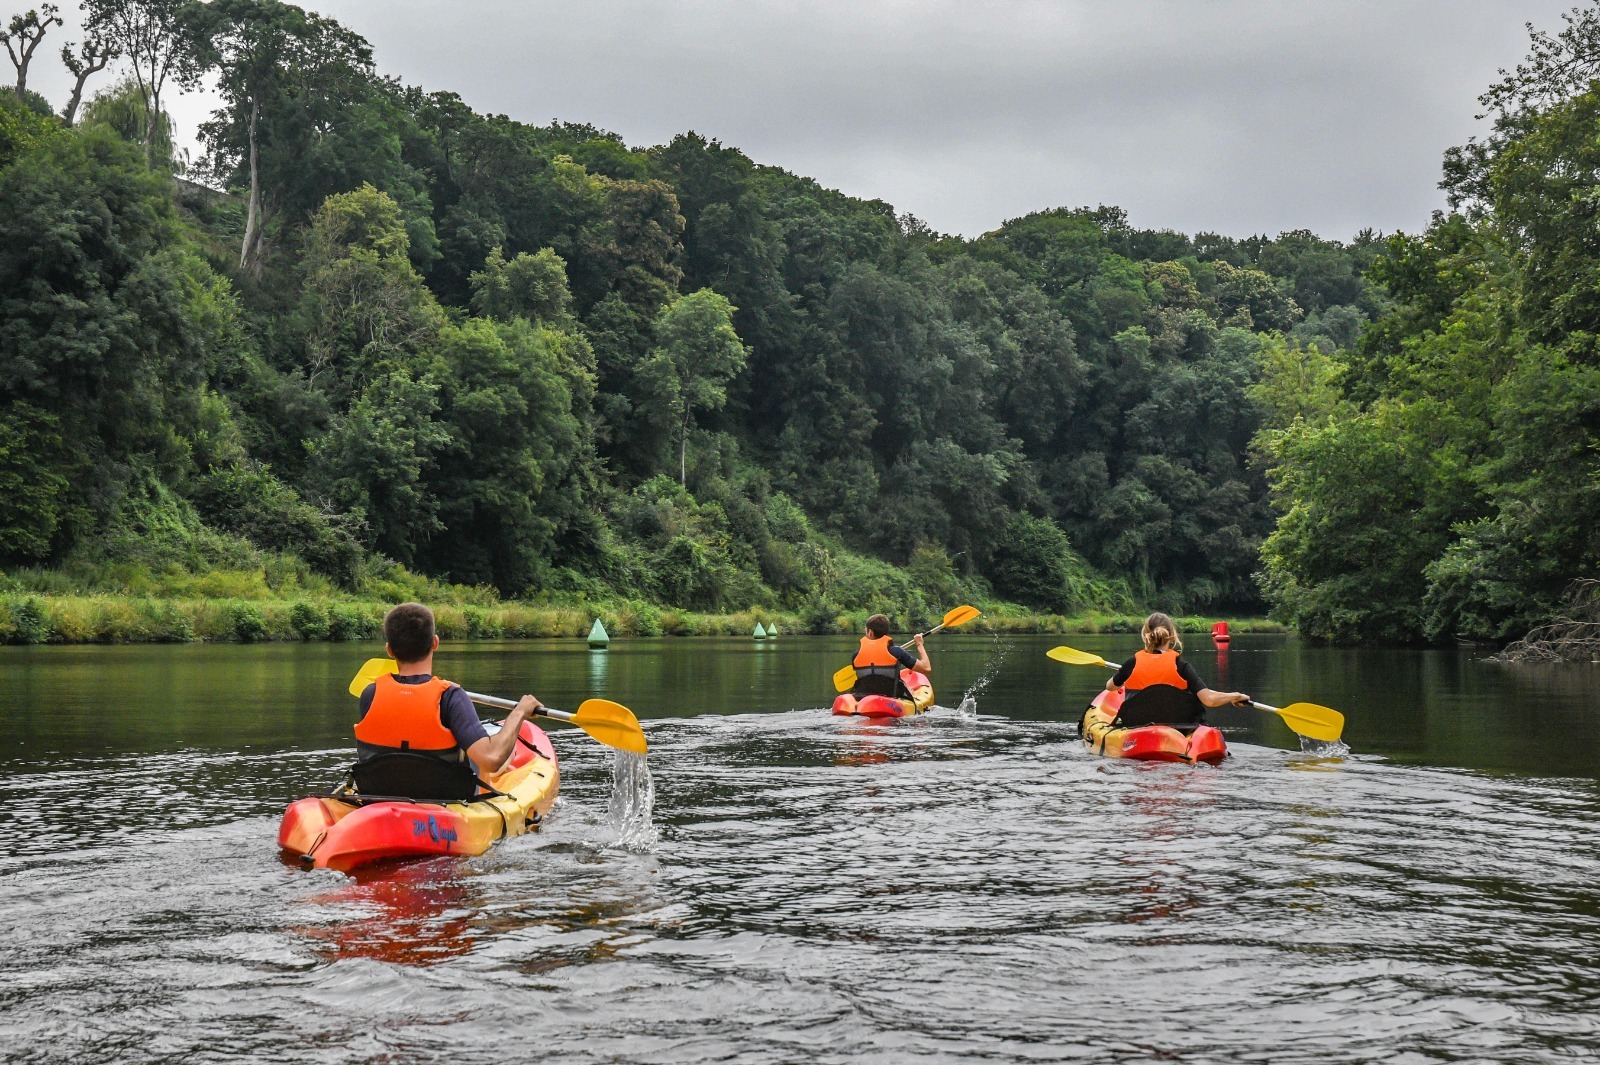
{"x": 970, "y": 885}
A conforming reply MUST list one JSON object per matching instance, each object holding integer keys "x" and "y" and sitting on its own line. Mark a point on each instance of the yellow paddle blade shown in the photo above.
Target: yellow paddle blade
{"x": 1074, "y": 657}
{"x": 612, "y": 724}
{"x": 370, "y": 672}
{"x": 1308, "y": 719}
{"x": 845, "y": 679}
{"x": 959, "y": 616}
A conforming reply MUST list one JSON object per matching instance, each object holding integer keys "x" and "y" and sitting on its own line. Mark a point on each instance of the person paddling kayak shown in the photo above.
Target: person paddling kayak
{"x": 878, "y": 661}
{"x": 411, "y": 718}
{"x": 1161, "y": 665}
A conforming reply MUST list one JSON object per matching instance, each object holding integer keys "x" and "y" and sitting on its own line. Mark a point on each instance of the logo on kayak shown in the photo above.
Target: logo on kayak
{"x": 431, "y": 829}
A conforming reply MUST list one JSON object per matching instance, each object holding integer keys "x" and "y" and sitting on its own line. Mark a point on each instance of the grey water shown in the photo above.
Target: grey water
{"x": 780, "y": 885}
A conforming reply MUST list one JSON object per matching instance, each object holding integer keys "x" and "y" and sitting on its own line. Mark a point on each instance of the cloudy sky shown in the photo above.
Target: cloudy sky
{"x": 1236, "y": 116}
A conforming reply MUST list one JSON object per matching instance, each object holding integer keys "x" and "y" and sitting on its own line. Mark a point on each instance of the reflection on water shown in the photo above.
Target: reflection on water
{"x": 965, "y": 885}
{"x": 406, "y": 913}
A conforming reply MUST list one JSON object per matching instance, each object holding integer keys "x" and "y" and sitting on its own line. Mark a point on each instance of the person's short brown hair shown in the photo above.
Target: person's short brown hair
{"x": 408, "y": 629}
{"x": 878, "y": 625}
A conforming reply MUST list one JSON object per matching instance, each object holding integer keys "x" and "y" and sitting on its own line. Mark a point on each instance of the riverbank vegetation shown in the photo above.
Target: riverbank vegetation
{"x": 374, "y": 345}
{"x": 35, "y": 619}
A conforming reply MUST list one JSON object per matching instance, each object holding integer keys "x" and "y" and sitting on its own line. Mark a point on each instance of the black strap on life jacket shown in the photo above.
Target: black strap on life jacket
{"x": 1161, "y": 704}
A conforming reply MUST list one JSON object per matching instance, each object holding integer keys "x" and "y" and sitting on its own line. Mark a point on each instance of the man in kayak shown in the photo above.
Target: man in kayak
{"x": 878, "y": 661}
{"x": 1161, "y": 662}
{"x": 411, "y": 712}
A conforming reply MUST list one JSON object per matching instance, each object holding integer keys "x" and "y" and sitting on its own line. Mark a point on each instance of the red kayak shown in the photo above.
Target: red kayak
{"x": 1103, "y": 734}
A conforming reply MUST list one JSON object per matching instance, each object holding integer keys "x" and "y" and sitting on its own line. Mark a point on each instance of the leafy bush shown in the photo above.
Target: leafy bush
{"x": 309, "y": 621}
{"x": 248, "y": 624}
{"x": 482, "y": 625}
{"x": 350, "y": 623}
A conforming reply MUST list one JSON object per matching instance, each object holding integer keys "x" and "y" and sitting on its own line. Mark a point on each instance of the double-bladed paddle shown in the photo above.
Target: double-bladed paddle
{"x": 611, "y": 723}
{"x": 1306, "y": 719}
{"x": 845, "y": 679}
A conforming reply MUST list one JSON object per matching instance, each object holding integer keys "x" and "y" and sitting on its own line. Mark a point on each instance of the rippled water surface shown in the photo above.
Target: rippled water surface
{"x": 966, "y": 886}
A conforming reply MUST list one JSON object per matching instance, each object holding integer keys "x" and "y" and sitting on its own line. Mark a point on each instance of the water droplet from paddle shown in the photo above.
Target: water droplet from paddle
{"x": 633, "y": 799}
{"x": 1324, "y": 749}
{"x": 997, "y": 656}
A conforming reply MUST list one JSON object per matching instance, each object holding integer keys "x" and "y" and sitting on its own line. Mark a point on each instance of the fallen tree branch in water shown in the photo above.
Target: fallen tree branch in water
{"x": 1571, "y": 636}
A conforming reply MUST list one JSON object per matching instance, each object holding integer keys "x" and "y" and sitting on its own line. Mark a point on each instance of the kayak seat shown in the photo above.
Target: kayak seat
{"x": 878, "y": 684}
{"x": 1162, "y": 704}
{"x": 418, "y": 777}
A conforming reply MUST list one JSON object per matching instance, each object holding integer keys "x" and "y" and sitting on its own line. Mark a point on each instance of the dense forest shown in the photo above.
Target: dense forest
{"x": 372, "y": 339}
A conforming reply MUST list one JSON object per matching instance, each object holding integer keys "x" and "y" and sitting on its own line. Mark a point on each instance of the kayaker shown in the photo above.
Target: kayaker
{"x": 1161, "y": 662}
{"x": 412, "y": 711}
{"x": 878, "y": 661}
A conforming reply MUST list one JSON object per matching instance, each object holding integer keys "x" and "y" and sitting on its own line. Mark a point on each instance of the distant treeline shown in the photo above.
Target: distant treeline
{"x": 412, "y": 342}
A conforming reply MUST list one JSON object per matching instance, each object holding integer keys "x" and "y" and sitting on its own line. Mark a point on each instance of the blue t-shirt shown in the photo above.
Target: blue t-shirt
{"x": 904, "y": 657}
{"x": 455, "y": 710}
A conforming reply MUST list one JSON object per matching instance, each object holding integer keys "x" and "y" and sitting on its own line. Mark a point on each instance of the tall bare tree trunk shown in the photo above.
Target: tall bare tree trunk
{"x": 247, "y": 253}
{"x": 96, "y": 55}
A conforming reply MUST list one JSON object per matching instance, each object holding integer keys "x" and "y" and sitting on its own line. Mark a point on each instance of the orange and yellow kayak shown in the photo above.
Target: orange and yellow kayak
{"x": 917, "y": 684}
{"x": 1147, "y": 743}
{"x": 341, "y": 832}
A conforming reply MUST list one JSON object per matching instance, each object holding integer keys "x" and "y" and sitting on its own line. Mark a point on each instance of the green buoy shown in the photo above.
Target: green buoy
{"x": 598, "y": 637}
{"x": 759, "y": 633}
{"x": 772, "y": 630}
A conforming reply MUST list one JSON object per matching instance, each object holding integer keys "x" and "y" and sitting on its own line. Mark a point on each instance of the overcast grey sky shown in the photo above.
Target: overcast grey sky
{"x": 1237, "y": 116}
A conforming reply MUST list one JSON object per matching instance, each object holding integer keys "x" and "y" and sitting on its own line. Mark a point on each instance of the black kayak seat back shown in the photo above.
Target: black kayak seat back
{"x": 879, "y": 684}
{"x": 1161, "y": 704}
{"x": 419, "y": 777}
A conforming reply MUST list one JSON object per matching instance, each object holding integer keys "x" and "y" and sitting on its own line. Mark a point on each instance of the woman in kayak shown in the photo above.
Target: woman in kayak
{"x": 1161, "y": 662}
{"x": 878, "y": 661}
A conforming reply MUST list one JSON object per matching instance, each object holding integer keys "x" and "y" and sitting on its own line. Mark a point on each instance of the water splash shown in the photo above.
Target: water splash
{"x": 991, "y": 668}
{"x": 633, "y": 799}
{"x": 1324, "y": 748}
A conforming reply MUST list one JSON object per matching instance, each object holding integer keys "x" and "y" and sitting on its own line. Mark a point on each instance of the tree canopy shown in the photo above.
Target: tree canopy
{"x": 398, "y": 331}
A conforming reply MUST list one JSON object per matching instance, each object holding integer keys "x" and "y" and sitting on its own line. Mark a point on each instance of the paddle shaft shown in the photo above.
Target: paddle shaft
{"x": 510, "y": 704}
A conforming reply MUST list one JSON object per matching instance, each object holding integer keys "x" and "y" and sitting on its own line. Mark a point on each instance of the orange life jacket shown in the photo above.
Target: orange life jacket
{"x": 877, "y": 670}
{"x": 1159, "y": 668}
{"x": 874, "y": 657}
{"x": 406, "y": 717}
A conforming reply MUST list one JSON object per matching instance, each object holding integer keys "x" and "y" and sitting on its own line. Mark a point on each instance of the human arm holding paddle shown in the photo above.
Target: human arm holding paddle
{"x": 492, "y": 752}
{"x": 921, "y": 665}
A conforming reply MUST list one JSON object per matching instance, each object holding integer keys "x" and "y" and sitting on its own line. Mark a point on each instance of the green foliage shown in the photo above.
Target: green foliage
{"x": 1033, "y": 564}
{"x": 459, "y": 348}
{"x": 22, "y": 129}
{"x": 697, "y": 352}
{"x": 124, "y": 110}
{"x": 529, "y": 286}
{"x": 1437, "y": 478}
{"x": 309, "y": 621}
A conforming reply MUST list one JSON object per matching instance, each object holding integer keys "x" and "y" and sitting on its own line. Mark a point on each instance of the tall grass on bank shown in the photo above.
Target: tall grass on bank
{"x": 126, "y": 619}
